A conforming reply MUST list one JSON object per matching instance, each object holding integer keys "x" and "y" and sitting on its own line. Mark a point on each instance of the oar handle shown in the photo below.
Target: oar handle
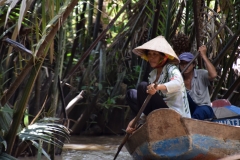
{"x": 141, "y": 110}
{"x": 135, "y": 121}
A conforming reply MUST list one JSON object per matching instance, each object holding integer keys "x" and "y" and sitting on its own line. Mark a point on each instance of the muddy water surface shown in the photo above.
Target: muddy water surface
{"x": 91, "y": 148}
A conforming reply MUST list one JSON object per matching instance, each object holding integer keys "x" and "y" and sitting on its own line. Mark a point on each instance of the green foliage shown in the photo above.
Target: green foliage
{"x": 87, "y": 88}
{"x": 45, "y": 130}
{"x": 5, "y": 156}
{"x": 41, "y": 151}
{"x": 5, "y": 119}
{"x": 26, "y": 118}
{"x": 107, "y": 104}
{"x": 132, "y": 77}
{"x": 120, "y": 39}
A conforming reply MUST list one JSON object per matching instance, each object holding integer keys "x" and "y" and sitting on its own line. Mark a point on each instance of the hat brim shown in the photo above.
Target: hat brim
{"x": 185, "y": 59}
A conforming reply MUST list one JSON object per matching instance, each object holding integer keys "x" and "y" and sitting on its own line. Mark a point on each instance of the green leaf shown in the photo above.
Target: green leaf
{"x": 26, "y": 118}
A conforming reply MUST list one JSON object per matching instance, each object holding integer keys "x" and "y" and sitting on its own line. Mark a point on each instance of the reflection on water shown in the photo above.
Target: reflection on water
{"x": 92, "y": 148}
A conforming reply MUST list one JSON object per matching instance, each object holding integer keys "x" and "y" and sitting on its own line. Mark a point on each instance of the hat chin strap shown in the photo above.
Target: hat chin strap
{"x": 162, "y": 62}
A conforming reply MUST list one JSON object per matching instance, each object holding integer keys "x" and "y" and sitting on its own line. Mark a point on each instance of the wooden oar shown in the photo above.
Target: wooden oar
{"x": 134, "y": 122}
{"x": 206, "y": 45}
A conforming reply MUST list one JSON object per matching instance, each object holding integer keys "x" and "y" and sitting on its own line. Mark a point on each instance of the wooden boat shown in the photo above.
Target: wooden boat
{"x": 167, "y": 135}
{"x": 226, "y": 113}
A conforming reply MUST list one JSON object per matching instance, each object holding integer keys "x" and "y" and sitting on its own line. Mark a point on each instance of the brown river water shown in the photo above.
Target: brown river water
{"x": 91, "y": 148}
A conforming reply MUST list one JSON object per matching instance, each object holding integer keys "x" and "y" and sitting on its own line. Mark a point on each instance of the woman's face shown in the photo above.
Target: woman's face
{"x": 154, "y": 58}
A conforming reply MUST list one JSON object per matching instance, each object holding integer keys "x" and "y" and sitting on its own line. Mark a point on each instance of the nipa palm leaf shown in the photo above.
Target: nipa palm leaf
{"x": 46, "y": 132}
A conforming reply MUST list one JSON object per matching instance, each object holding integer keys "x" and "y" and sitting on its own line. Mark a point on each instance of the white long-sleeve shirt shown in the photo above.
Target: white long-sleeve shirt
{"x": 175, "y": 96}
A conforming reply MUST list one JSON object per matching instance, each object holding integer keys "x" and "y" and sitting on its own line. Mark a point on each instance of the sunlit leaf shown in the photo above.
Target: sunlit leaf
{"x": 45, "y": 131}
{"x": 21, "y": 15}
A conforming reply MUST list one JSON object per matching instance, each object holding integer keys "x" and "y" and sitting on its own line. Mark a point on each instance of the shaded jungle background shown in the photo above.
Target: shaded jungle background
{"x": 67, "y": 64}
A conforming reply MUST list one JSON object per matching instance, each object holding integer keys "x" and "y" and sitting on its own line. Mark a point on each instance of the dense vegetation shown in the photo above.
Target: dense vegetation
{"x": 66, "y": 64}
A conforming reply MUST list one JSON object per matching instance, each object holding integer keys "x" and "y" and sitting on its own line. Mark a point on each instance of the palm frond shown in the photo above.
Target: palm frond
{"x": 5, "y": 119}
{"x": 178, "y": 19}
{"x": 3, "y": 147}
{"x": 12, "y": 5}
{"x": 40, "y": 150}
{"x": 46, "y": 132}
{"x": 3, "y": 143}
{"x": 5, "y": 156}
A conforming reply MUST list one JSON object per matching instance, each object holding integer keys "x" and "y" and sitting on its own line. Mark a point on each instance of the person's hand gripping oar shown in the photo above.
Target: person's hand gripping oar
{"x": 136, "y": 119}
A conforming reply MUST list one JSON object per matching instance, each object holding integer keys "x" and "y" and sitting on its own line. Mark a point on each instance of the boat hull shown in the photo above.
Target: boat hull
{"x": 167, "y": 135}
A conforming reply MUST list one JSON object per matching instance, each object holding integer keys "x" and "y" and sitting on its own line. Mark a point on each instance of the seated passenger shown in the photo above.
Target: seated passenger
{"x": 197, "y": 82}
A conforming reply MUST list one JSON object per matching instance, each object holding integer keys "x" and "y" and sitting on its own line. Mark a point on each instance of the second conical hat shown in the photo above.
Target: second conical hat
{"x": 159, "y": 44}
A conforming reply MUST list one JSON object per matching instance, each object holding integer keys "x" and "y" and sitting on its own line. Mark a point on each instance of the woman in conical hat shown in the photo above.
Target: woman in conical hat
{"x": 170, "y": 91}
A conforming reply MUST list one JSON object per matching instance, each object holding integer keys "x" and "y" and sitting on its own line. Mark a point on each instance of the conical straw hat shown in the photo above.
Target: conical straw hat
{"x": 157, "y": 44}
